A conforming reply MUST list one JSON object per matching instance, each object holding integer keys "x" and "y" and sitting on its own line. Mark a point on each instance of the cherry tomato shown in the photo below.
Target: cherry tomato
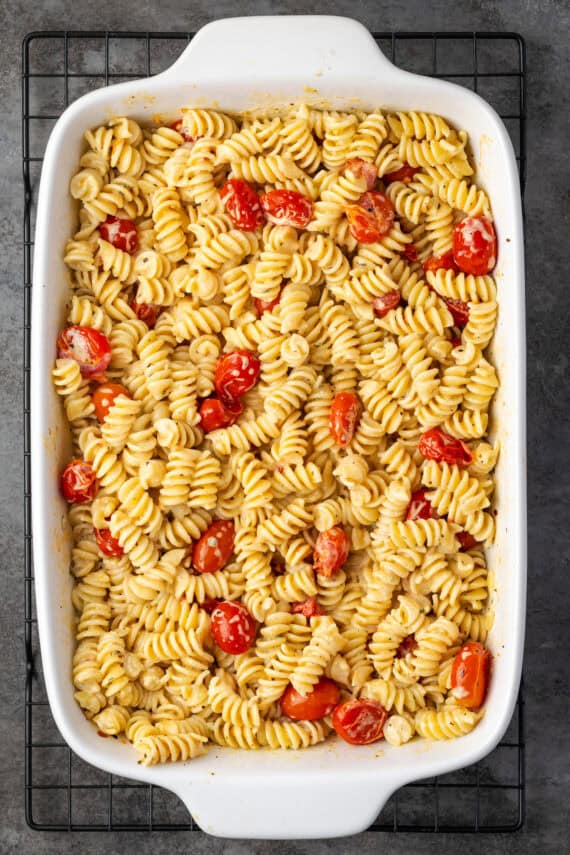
{"x": 371, "y": 218}
{"x": 232, "y": 627}
{"x": 108, "y": 544}
{"x": 179, "y": 128}
{"x": 262, "y": 306}
{"x": 434, "y": 444}
{"x": 420, "y": 507}
{"x": 122, "y": 233}
{"x": 210, "y": 605}
{"x": 214, "y": 415}
{"x": 405, "y": 173}
{"x": 455, "y": 341}
{"x": 362, "y": 169}
{"x": 441, "y": 262}
{"x": 213, "y": 549}
{"x": 410, "y": 253}
{"x": 242, "y": 204}
{"x": 475, "y": 245}
{"x": 408, "y": 645}
{"x": 236, "y": 373}
{"x": 362, "y": 224}
{"x": 146, "y": 312}
{"x": 470, "y": 674}
{"x": 89, "y": 347}
{"x": 466, "y": 540}
{"x": 459, "y": 310}
{"x": 386, "y": 302}
{"x": 309, "y": 608}
{"x": 360, "y": 722}
{"x": 318, "y": 703}
{"x": 78, "y": 482}
{"x": 331, "y": 551}
{"x": 104, "y": 398}
{"x": 343, "y": 417}
{"x": 287, "y": 208}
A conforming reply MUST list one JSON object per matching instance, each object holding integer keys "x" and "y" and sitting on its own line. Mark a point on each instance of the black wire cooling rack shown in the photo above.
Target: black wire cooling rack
{"x": 61, "y": 791}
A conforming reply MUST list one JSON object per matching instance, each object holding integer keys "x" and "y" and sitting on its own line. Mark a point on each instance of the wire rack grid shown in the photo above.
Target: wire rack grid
{"x": 61, "y": 791}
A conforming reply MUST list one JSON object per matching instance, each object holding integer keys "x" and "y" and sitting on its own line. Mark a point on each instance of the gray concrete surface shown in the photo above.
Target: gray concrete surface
{"x": 545, "y": 27}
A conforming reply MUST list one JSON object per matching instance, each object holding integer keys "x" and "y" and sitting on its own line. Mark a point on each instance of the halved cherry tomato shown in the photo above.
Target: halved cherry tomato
{"x": 475, "y": 245}
{"x": 104, "y": 398}
{"x": 331, "y": 551}
{"x": 146, "y": 312}
{"x": 410, "y": 253}
{"x": 362, "y": 224}
{"x": 459, "y": 311}
{"x": 343, "y": 417}
{"x": 440, "y": 262}
{"x": 386, "y": 302}
{"x": 108, "y": 544}
{"x": 360, "y": 722}
{"x": 287, "y": 208}
{"x": 408, "y": 645}
{"x": 362, "y": 169}
{"x": 214, "y": 414}
{"x": 470, "y": 674}
{"x": 236, "y": 373}
{"x": 262, "y": 306}
{"x": 120, "y": 232}
{"x": 179, "y": 128}
{"x": 466, "y": 540}
{"x": 371, "y": 218}
{"x": 242, "y": 204}
{"x": 316, "y": 704}
{"x": 420, "y": 507}
{"x": 434, "y": 444}
{"x": 89, "y": 347}
{"x": 79, "y": 482}
{"x": 309, "y": 608}
{"x": 405, "y": 173}
{"x": 232, "y": 627}
{"x": 210, "y": 605}
{"x": 213, "y": 549}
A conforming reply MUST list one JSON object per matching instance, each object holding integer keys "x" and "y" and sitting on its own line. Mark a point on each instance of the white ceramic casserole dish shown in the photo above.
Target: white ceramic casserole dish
{"x": 332, "y": 789}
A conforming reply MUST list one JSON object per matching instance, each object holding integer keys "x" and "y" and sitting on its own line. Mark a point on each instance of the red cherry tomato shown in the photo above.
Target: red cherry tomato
{"x": 420, "y": 507}
{"x": 405, "y": 173}
{"x": 470, "y": 674}
{"x": 475, "y": 245}
{"x": 360, "y": 722}
{"x": 362, "y": 169}
{"x": 242, "y": 204}
{"x": 459, "y": 311}
{"x": 89, "y": 347}
{"x": 108, "y": 544}
{"x": 343, "y": 417}
{"x": 466, "y": 540}
{"x": 213, "y": 549}
{"x": 236, "y": 373}
{"x": 120, "y": 232}
{"x": 410, "y": 253}
{"x": 104, "y": 398}
{"x": 371, "y": 218}
{"x": 210, "y": 605}
{"x": 408, "y": 645}
{"x": 78, "y": 482}
{"x": 287, "y": 208}
{"x": 309, "y": 608}
{"x": 214, "y": 415}
{"x": 318, "y": 703}
{"x": 386, "y": 302}
{"x": 434, "y": 444}
{"x": 441, "y": 262}
{"x": 146, "y": 312}
{"x": 362, "y": 224}
{"x": 262, "y": 306}
{"x": 232, "y": 627}
{"x": 331, "y": 551}
{"x": 455, "y": 341}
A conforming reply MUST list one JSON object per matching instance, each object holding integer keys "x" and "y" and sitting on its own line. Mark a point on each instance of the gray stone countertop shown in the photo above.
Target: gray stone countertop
{"x": 545, "y": 28}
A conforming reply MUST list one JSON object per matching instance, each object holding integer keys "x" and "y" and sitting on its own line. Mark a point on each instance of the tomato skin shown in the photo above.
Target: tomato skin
{"x": 434, "y": 444}
{"x": 214, "y": 415}
{"x": 371, "y": 218}
{"x": 420, "y": 507}
{"x": 232, "y": 627}
{"x": 108, "y": 544}
{"x": 362, "y": 169}
{"x": 242, "y": 204}
{"x": 475, "y": 245}
{"x": 408, "y": 645}
{"x": 180, "y": 129}
{"x": 386, "y": 302}
{"x": 318, "y": 703}
{"x": 466, "y": 540}
{"x": 104, "y": 397}
{"x": 410, "y": 253}
{"x": 441, "y": 262}
{"x": 360, "y": 722}
{"x": 362, "y": 225}
{"x": 146, "y": 312}
{"x": 309, "y": 608}
{"x": 405, "y": 174}
{"x": 331, "y": 551}
{"x": 121, "y": 233}
{"x": 262, "y": 306}
{"x": 470, "y": 674}
{"x": 89, "y": 347}
{"x": 213, "y": 549}
{"x": 79, "y": 482}
{"x": 236, "y": 373}
{"x": 287, "y": 208}
{"x": 459, "y": 310}
{"x": 343, "y": 417}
